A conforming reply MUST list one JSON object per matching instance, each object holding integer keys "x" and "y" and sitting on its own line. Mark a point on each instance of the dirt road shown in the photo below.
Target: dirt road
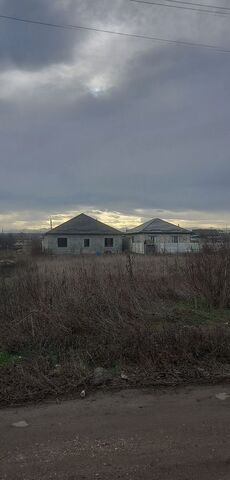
{"x": 165, "y": 435}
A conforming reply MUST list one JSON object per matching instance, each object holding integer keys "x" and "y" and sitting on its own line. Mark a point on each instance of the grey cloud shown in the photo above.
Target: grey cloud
{"x": 133, "y": 153}
{"x": 157, "y": 138}
{"x": 31, "y": 46}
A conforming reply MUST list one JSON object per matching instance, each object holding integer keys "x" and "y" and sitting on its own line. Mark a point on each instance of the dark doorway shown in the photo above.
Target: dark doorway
{"x": 150, "y": 249}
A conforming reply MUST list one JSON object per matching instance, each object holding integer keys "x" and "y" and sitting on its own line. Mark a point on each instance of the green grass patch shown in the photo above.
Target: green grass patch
{"x": 193, "y": 313}
{"x": 9, "y": 359}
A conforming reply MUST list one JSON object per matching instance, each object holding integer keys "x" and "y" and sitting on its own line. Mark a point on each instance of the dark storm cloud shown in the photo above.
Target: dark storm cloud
{"x": 26, "y": 45}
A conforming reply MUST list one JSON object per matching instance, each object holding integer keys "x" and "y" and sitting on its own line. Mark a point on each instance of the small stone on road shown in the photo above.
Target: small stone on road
{"x": 20, "y": 424}
{"x": 222, "y": 396}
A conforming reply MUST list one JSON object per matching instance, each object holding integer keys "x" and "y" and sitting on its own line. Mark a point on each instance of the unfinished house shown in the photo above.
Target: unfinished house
{"x": 158, "y": 236}
{"x": 82, "y": 235}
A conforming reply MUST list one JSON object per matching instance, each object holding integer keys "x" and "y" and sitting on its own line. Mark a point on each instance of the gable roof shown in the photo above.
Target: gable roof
{"x": 83, "y": 225}
{"x": 156, "y": 225}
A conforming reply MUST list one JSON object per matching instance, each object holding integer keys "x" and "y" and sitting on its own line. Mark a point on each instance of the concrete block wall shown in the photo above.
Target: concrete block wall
{"x": 162, "y": 242}
{"x": 75, "y": 244}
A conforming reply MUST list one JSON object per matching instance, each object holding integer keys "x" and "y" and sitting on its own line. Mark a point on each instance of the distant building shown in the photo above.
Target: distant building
{"x": 82, "y": 235}
{"x": 209, "y": 236}
{"x": 28, "y": 243}
{"x": 158, "y": 236}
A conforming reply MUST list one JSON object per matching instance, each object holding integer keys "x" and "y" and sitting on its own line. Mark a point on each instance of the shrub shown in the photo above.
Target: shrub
{"x": 79, "y": 313}
{"x": 208, "y": 274}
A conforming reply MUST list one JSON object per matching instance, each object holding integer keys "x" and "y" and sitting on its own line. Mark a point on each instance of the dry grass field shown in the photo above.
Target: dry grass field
{"x": 149, "y": 320}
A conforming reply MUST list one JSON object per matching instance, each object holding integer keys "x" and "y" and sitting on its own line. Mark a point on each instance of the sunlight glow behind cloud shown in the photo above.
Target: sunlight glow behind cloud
{"x": 30, "y": 220}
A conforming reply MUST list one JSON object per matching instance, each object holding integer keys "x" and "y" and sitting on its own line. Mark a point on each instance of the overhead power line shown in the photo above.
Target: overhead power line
{"x": 199, "y": 4}
{"x": 180, "y": 43}
{"x": 183, "y": 7}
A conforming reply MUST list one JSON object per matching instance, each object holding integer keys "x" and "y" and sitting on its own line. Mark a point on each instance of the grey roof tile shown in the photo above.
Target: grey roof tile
{"x": 157, "y": 225}
{"x": 83, "y": 225}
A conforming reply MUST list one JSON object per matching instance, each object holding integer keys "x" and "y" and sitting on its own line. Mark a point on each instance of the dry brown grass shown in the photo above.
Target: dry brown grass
{"x": 80, "y": 313}
{"x": 208, "y": 274}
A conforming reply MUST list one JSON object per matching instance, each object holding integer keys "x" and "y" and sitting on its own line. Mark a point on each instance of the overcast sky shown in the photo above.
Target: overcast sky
{"x": 121, "y": 128}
